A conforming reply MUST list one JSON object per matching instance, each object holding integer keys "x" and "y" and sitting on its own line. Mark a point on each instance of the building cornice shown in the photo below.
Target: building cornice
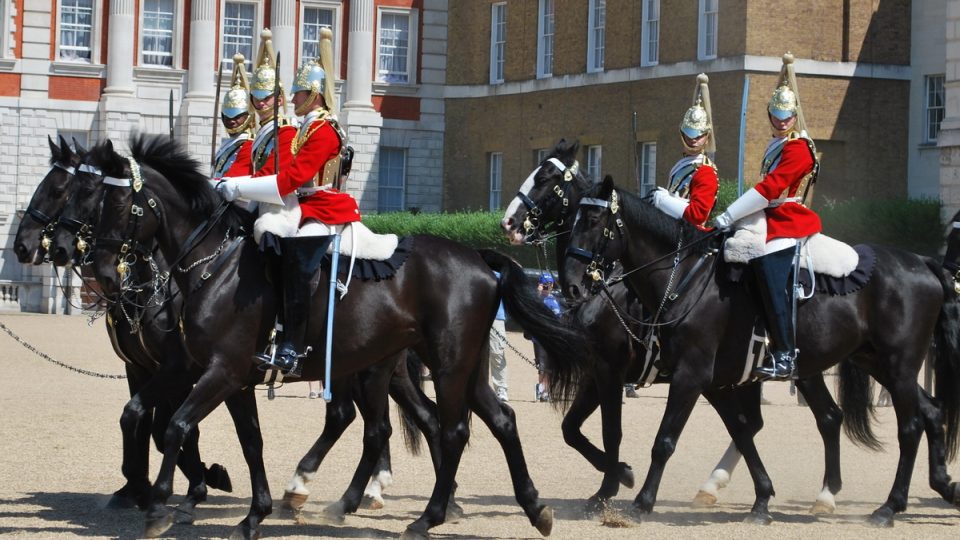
{"x": 748, "y": 63}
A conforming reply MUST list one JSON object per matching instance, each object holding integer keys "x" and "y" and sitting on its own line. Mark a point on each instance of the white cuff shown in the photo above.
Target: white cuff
{"x": 672, "y": 206}
{"x": 260, "y": 189}
{"x": 751, "y": 201}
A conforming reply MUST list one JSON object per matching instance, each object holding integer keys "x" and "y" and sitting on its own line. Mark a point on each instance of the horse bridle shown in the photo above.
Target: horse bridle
{"x": 535, "y": 230}
{"x": 49, "y": 223}
{"x": 597, "y": 265}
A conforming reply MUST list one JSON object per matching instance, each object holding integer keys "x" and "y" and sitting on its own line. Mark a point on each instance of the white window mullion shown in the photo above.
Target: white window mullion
{"x": 158, "y": 24}
{"x": 707, "y": 31}
{"x": 496, "y": 180}
{"x": 392, "y": 180}
{"x": 241, "y": 23}
{"x": 648, "y": 167}
{"x": 594, "y": 161}
{"x": 498, "y": 42}
{"x": 934, "y": 107}
{"x": 545, "y": 31}
{"x": 650, "y": 33}
{"x": 76, "y": 36}
{"x": 596, "y": 35}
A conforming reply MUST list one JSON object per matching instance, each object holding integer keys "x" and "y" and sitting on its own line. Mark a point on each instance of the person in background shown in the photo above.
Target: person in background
{"x": 498, "y": 359}
{"x": 545, "y": 290}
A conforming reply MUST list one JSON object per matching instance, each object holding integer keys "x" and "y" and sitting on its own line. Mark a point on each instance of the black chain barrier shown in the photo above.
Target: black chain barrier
{"x": 47, "y": 357}
{"x": 512, "y": 348}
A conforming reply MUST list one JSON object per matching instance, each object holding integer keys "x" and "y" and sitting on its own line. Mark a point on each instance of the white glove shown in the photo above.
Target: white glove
{"x": 751, "y": 201}
{"x": 669, "y": 204}
{"x": 228, "y": 188}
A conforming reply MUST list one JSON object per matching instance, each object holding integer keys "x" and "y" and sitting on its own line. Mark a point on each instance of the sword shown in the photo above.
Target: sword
{"x": 276, "y": 117}
{"x": 216, "y": 120}
{"x": 170, "y": 113}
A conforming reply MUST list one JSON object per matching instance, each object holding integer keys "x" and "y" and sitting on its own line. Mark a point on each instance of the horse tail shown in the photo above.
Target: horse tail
{"x": 566, "y": 344}
{"x": 946, "y": 360}
{"x": 856, "y": 401}
{"x": 408, "y": 426}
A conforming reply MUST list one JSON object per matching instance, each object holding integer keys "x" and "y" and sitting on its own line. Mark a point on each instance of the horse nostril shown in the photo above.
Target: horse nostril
{"x": 573, "y": 291}
{"x": 506, "y": 223}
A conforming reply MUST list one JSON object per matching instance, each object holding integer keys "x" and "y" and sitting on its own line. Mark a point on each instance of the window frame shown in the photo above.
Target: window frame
{"x": 592, "y": 46}
{"x": 5, "y": 45}
{"x": 413, "y": 28}
{"x": 928, "y": 108}
{"x": 648, "y": 170}
{"x": 495, "y": 175}
{"x": 226, "y": 64}
{"x": 545, "y": 68}
{"x": 69, "y": 134}
{"x": 402, "y": 188}
{"x": 330, "y": 5}
{"x": 176, "y": 51}
{"x": 594, "y": 151}
{"x": 702, "y": 30}
{"x": 496, "y": 62}
{"x": 96, "y": 29}
{"x": 645, "y": 22}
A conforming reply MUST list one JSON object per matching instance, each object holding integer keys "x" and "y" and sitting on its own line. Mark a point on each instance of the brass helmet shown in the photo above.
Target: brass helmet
{"x": 785, "y": 101}
{"x": 698, "y": 119}
{"x": 311, "y": 78}
{"x": 237, "y": 99}
{"x": 264, "y": 69}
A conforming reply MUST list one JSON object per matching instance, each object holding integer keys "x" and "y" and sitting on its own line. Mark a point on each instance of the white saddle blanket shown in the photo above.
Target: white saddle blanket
{"x": 819, "y": 252}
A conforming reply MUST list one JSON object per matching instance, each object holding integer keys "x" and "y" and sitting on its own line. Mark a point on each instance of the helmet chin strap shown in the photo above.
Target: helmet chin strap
{"x": 307, "y": 105}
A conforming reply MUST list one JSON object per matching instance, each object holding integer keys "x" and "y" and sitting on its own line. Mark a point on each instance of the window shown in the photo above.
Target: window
{"x": 392, "y": 177}
{"x": 648, "y": 167}
{"x": 707, "y": 36}
{"x": 74, "y": 138}
{"x": 313, "y": 18}
{"x": 545, "y": 39}
{"x": 596, "y": 25}
{"x": 650, "y": 33}
{"x": 239, "y": 30}
{"x": 933, "y": 107}
{"x": 496, "y": 180}
{"x": 76, "y": 30}
{"x": 498, "y": 41}
{"x": 594, "y": 159}
{"x": 157, "y": 32}
{"x": 397, "y": 46}
{"x": 540, "y": 155}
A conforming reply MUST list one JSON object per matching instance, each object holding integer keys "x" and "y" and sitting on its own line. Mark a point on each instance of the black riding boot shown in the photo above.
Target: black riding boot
{"x": 301, "y": 261}
{"x": 773, "y": 272}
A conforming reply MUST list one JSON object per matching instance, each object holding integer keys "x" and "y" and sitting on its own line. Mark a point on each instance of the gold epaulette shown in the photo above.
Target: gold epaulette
{"x": 301, "y": 139}
{"x": 708, "y": 162}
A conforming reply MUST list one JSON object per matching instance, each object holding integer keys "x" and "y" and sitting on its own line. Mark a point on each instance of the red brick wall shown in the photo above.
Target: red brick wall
{"x": 9, "y": 84}
{"x": 78, "y": 88}
{"x": 397, "y": 107}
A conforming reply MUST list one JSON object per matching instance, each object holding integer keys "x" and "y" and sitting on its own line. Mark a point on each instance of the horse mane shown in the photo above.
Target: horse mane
{"x": 170, "y": 159}
{"x": 653, "y": 221}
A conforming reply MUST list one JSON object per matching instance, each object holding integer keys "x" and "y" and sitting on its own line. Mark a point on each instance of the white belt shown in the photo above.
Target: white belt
{"x": 307, "y": 191}
{"x": 777, "y": 202}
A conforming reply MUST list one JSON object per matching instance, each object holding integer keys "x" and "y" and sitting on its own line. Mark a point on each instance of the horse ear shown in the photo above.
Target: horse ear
{"x": 54, "y": 149}
{"x": 79, "y": 147}
{"x": 606, "y": 188}
{"x": 64, "y": 148}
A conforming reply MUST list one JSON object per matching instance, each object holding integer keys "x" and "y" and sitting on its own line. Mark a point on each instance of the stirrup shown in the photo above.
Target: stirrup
{"x": 288, "y": 364}
{"x": 777, "y": 370}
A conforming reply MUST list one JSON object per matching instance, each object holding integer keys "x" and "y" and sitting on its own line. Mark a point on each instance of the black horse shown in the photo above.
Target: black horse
{"x": 545, "y": 207}
{"x": 157, "y": 324}
{"x": 710, "y": 326}
{"x": 228, "y": 313}
{"x": 141, "y": 358}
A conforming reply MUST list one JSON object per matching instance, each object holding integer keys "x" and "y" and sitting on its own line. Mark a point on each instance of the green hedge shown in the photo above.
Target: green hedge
{"x": 911, "y": 224}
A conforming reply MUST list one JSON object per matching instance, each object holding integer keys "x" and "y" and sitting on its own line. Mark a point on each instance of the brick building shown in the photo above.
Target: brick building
{"x": 94, "y": 69}
{"x": 618, "y": 75}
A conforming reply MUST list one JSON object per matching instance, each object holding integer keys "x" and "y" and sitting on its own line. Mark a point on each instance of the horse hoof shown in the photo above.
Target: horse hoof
{"x": 183, "y": 516}
{"x": 156, "y": 527}
{"x": 294, "y": 501}
{"x": 120, "y": 501}
{"x": 544, "y": 522}
{"x": 637, "y": 514}
{"x": 413, "y": 534}
{"x": 371, "y": 503}
{"x": 880, "y": 518}
{"x": 454, "y": 513}
{"x": 595, "y": 506}
{"x": 821, "y": 508}
{"x": 704, "y": 499}
{"x": 218, "y": 478}
{"x": 626, "y": 476}
{"x": 243, "y": 532}
{"x": 758, "y": 518}
{"x": 335, "y": 513}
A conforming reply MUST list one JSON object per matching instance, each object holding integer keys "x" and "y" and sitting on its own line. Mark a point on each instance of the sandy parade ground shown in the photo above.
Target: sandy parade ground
{"x": 60, "y": 461}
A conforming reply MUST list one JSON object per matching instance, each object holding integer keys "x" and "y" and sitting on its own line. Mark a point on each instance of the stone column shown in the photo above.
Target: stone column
{"x": 360, "y": 56}
{"x": 283, "y": 18}
{"x": 203, "y": 50}
{"x": 949, "y": 140}
{"x": 119, "y": 53}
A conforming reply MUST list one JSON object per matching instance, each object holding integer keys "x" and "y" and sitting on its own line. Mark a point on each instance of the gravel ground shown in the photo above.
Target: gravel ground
{"x": 60, "y": 460}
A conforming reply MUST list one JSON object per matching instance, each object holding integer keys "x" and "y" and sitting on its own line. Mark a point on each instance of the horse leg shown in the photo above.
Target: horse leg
{"x": 719, "y": 478}
{"x": 135, "y": 425}
{"x": 243, "y": 409}
{"x": 739, "y": 408}
{"x": 371, "y": 399}
{"x": 933, "y": 422}
{"x": 211, "y": 389}
{"x": 829, "y": 419}
{"x": 381, "y": 479}
{"x": 609, "y": 383}
{"x": 905, "y": 394}
{"x": 684, "y": 391}
{"x": 340, "y": 413}
{"x": 423, "y": 411}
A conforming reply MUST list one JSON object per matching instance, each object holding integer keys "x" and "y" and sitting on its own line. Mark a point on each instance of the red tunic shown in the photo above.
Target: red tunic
{"x": 328, "y": 206}
{"x": 242, "y": 166}
{"x": 287, "y": 134}
{"x": 703, "y": 195}
{"x": 790, "y": 219}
